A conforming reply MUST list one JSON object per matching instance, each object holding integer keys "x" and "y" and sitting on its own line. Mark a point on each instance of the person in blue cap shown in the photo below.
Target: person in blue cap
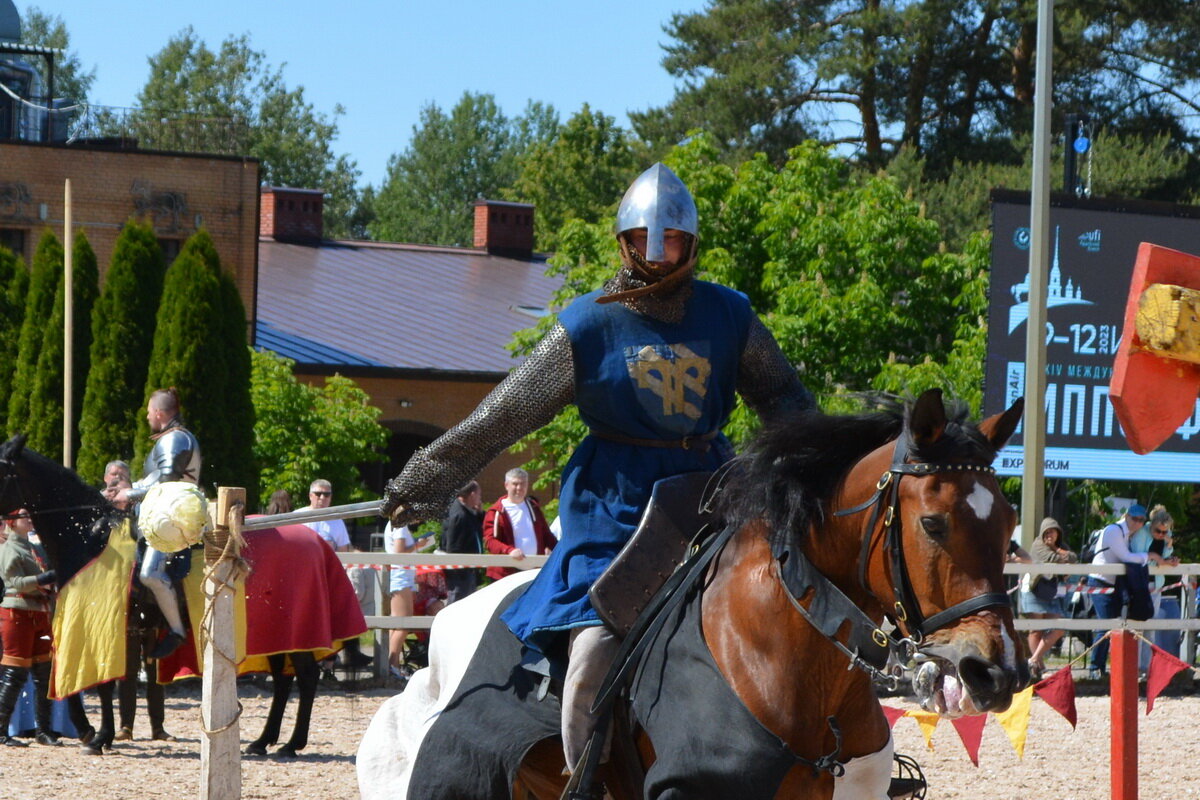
{"x": 1113, "y": 594}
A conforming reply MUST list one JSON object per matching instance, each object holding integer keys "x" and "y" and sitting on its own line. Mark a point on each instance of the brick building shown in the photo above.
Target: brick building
{"x": 176, "y": 193}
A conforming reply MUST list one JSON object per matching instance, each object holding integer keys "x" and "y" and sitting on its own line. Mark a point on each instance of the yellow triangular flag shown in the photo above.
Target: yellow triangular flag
{"x": 1015, "y": 720}
{"x": 928, "y": 720}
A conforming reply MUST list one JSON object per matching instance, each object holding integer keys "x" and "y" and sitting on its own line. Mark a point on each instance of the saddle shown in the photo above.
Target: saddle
{"x": 674, "y": 515}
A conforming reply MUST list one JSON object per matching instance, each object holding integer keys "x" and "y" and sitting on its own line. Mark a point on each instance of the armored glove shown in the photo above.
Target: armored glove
{"x": 46, "y": 578}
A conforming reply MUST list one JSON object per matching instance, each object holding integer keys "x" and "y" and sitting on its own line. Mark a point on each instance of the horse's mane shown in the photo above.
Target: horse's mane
{"x": 795, "y": 463}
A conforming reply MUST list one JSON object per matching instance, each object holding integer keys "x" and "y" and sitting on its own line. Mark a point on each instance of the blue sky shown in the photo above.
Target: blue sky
{"x": 384, "y": 60}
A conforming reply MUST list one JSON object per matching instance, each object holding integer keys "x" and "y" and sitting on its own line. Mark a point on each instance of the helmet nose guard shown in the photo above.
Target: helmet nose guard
{"x": 657, "y": 201}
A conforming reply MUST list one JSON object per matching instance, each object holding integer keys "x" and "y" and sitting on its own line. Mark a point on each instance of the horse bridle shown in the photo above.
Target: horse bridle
{"x": 885, "y": 502}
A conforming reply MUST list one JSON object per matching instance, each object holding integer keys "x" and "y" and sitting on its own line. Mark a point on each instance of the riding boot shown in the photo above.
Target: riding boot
{"x": 41, "y": 682}
{"x": 12, "y": 681}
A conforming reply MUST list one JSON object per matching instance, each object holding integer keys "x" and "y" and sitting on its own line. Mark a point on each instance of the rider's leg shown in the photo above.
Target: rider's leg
{"x": 590, "y": 654}
{"x": 43, "y": 705}
{"x": 154, "y": 577}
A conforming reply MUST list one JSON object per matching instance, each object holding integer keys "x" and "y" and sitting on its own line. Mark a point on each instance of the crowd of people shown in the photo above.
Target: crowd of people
{"x": 1137, "y": 539}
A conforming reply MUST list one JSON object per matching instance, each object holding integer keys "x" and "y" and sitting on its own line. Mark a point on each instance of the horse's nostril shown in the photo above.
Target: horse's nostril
{"x": 987, "y": 682}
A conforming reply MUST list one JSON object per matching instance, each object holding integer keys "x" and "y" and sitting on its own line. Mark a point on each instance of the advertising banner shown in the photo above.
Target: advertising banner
{"x": 1093, "y": 244}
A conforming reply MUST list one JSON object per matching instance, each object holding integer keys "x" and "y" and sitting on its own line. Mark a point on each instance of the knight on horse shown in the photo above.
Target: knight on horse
{"x": 652, "y": 361}
{"x": 174, "y": 457}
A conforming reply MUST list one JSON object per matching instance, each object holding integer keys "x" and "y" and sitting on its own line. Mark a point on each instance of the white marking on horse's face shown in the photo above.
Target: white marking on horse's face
{"x": 981, "y": 501}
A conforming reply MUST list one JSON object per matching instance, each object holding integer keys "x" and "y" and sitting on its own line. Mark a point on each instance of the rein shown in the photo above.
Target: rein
{"x": 885, "y": 502}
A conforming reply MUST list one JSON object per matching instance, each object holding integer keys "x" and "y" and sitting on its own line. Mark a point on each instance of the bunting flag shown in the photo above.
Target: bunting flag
{"x": 1015, "y": 720}
{"x": 1163, "y": 667}
{"x": 1059, "y": 693}
{"x": 892, "y": 714}
{"x": 928, "y": 721}
{"x": 970, "y": 730}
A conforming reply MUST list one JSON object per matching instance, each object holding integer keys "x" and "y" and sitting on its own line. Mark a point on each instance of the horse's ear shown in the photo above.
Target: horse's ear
{"x": 998, "y": 428}
{"x": 927, "y": 420}
{"x": 13, "y": 447}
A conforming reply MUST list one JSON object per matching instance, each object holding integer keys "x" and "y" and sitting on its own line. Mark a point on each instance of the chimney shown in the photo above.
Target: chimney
{"x": 504, "y": 229}
{"x": 291, "y": 214}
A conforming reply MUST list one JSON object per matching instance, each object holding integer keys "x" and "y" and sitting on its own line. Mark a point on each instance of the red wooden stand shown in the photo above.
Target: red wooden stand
{"x": 1123, "y": 689}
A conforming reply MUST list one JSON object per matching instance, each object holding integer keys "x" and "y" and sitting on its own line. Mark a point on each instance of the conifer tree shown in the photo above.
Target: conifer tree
{"x": 39, "y": 304}
{"x": 239, "y": 407}
{"x": 122, "y": 340}
{"x": 45, "y": 404}
{"x": 192, "y": 352}
{"x": 14, "y": 284}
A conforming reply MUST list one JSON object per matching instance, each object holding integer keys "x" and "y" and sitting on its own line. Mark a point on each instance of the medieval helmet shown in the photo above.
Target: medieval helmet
{"x": 656, "y": 201}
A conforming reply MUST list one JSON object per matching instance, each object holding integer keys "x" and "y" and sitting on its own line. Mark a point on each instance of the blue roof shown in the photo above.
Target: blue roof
{"x": 303, "y": 350}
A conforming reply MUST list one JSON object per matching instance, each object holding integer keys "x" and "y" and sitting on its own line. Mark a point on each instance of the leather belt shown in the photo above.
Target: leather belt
{"x": 697, "y": 442}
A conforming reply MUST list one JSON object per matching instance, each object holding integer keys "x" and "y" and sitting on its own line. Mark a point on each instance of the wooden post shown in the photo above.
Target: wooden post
{"x": 220, "y": 744}
{"x": 1123, "y": 687}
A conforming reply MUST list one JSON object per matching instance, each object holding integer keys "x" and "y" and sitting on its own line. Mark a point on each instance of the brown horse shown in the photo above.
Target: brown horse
{"x": 758, "y": 680}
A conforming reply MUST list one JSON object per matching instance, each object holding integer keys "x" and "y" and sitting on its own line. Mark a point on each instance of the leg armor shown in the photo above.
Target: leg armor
{"x": 154, "y": 577}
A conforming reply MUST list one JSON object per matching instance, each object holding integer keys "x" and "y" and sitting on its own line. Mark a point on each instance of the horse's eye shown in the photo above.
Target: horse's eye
{"x": 935, "y": 526}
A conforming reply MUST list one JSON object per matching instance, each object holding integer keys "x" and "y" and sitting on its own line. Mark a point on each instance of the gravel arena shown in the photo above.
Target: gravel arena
{"x": 1059, "y": 764}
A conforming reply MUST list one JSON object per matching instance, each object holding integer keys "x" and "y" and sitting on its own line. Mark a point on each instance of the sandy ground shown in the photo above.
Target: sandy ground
{"x": 1059, "y": 763}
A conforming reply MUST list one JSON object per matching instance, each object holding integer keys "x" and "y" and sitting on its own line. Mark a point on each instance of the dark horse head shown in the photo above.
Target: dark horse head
{"x": 901, "y": 510}
{"x": 72, "y": 518}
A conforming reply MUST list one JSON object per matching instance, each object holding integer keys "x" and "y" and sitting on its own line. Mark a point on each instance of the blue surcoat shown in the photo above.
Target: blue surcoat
{"x": 635, "y": 378}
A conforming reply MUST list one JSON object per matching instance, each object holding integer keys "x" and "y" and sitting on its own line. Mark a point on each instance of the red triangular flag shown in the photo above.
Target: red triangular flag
{"x": 970, "y": 730}
{"x": 1059, "y": 693}
{"x": 1163, "y": 667}
{"x": 892, "y": 714}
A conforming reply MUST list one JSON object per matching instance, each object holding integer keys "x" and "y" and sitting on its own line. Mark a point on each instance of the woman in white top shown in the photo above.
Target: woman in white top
{"x": 400, "y": 584}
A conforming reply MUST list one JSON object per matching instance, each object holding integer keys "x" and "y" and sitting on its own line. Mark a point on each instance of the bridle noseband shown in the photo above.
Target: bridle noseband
{"x": 885, "y": 502}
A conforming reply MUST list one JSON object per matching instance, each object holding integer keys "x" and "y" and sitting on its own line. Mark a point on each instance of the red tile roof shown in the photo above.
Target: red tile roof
{"x": 408, "y": 307}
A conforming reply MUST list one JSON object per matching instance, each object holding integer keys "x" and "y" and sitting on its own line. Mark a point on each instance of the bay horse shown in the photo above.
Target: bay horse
{"x": 843, "y": 539}
{"x": 299, "y": 602}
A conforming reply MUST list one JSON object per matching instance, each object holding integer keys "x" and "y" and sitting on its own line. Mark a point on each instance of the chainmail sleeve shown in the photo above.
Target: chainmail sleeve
{"x": 766, "y": 381}
{"x": 526, "y": 400}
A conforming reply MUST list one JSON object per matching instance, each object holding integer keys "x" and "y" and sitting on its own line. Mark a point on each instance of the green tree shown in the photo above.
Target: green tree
{"x": 14, "y": 284}
{"x": 452, "y": 159}
{"x": 45, "y": 404}
{"x": 71, "y": 80}
{"x": 192, "y": 353}
{"x": 122, "y": 341}
{"x": 302, "y": 431}
{"x": 232, "y": 98}
{"x": 954, "y": 80}
{"x": 44, "y": 278}
{"x": 580, "y": 174}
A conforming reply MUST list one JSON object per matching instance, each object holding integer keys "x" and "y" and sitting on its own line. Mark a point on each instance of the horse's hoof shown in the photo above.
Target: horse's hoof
{"x": 287, "y": 751}
{"x": 161, "y": 735}
{"x": 46, "y": 738}
{"x": 123, "y": 735}
{"x": 91, "y": 749}
{"x": 255, "y": 749}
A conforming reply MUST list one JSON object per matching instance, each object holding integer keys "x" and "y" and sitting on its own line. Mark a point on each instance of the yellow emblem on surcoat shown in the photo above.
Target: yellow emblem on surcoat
{"x": 671, "y": 375}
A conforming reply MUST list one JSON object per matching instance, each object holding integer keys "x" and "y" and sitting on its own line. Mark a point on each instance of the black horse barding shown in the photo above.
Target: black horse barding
{"x": 299, "y": 602}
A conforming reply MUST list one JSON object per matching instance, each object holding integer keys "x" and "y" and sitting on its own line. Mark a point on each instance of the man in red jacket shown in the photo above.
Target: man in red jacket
{"x": 515, "y": 524}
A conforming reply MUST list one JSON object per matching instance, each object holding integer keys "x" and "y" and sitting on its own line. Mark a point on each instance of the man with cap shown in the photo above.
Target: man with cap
{"x": 652, "y": 360}
{"x": 1113, "y": 548}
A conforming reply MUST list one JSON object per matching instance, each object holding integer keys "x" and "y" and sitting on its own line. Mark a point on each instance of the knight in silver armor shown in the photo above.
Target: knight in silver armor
{"x": 657, "y": 232}
{"x": 174, "y": 457}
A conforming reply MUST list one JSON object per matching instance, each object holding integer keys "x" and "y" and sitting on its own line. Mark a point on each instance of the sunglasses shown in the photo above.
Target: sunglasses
{"x": 1162, "y": 530}
{"x": 322, "y": 494}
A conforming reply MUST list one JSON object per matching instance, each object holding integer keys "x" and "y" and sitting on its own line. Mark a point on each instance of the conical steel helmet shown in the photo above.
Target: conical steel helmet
{"x": 656, "y": 201}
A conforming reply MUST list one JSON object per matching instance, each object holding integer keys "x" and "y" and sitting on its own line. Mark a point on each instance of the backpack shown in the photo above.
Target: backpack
{"x": 1089, "y": 551}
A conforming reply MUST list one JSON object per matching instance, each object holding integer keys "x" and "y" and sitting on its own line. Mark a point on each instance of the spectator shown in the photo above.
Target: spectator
{"x": 462, "y": 532}
{"x": 1157, "y": 537}
{"x": 280, "y": 502}
{"x": 116, "y": 470}
{"x": 1113, "y": 548}
{"x": 400, "y": 584}
{"x": 24, "y": 628}
{"x": 515, "y": 524}
{"x": 333, "y": 531}
{"x": 1041, "y": 597}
